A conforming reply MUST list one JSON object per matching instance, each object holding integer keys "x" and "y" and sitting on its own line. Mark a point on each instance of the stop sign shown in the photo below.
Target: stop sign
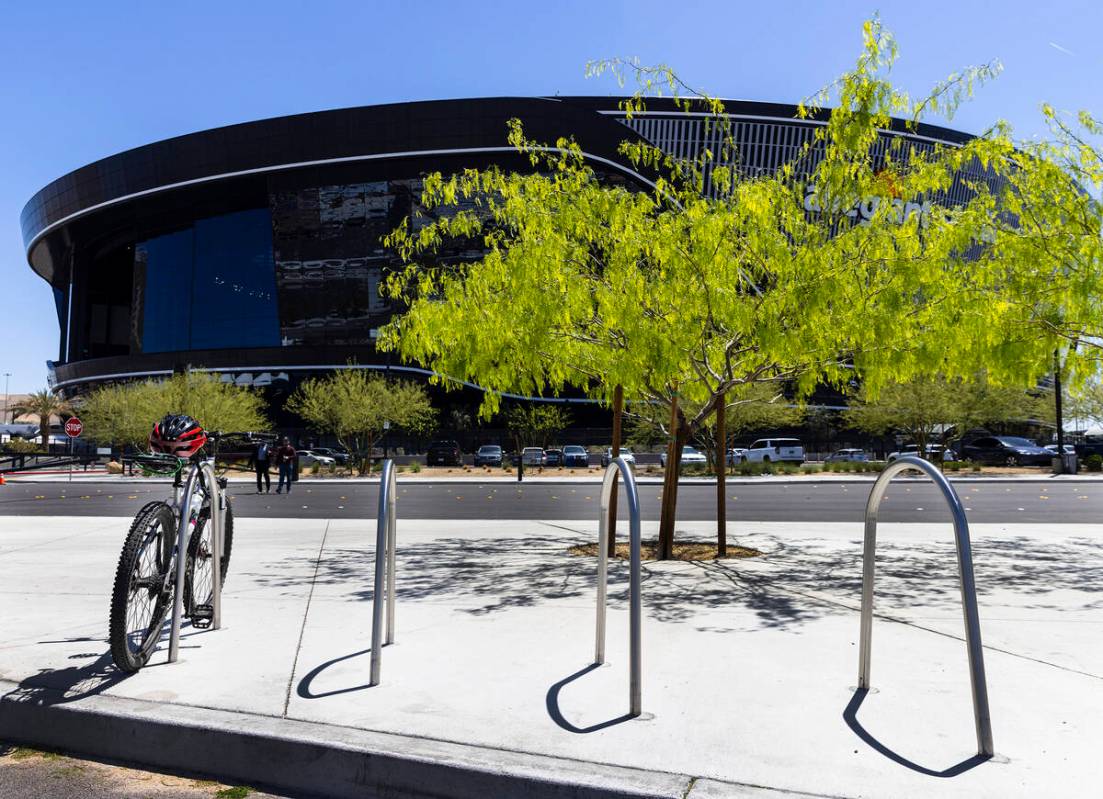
{"x": 73, "y": 427}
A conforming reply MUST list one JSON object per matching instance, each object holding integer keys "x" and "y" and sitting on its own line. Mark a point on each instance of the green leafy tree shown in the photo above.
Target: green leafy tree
{"x": 682, "y": 296}
{"x": 123, "y": 414}
{"x": 353, "y": 405}
{"x": 536, "y": 424}
{"x": 927, "y": 409}
{"x": 43, "y": 405}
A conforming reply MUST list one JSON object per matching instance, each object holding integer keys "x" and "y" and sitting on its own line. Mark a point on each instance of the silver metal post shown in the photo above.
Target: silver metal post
{"x": 634, "y": 603}
{"x": 384, "y": 562}
{"x": 218, "y": 521}
{"x": 181, "y": 558}
{"x": 392, "y": 524}
{"x": 979, "y": 684}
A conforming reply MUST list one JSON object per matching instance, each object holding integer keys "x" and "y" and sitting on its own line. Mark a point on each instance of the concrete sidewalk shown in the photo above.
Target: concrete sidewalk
{"x": 748, "y": 681}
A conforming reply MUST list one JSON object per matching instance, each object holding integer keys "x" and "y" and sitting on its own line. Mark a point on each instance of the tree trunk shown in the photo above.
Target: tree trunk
{"x": 618, "y": 414}
{"x": 679, "y": 434}
{"x": 721, "y": 473}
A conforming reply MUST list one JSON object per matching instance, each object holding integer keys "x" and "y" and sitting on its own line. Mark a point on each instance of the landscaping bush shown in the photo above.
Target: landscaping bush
{"x": 415, "y": 467}
{"x": 315, "y": 467}
{"x": 1094, "y": 462}
{"x": 20, "y": 446}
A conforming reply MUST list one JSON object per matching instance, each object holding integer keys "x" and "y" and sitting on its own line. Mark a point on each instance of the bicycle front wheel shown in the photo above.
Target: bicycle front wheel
{"x": 142, "y": 595}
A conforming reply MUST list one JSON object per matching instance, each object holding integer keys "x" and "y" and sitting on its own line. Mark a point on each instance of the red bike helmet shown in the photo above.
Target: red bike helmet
{"x": 177, "y": 435}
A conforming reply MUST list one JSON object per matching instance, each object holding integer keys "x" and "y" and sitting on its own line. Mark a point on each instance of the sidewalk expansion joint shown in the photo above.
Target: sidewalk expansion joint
{"x": 306, "y": 615}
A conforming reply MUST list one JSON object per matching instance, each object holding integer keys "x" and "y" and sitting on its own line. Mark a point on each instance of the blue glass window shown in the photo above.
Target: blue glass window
{"x": 166, "y": 263}
{"x": 212, "y": 286}
{"x": 234, "y": 283}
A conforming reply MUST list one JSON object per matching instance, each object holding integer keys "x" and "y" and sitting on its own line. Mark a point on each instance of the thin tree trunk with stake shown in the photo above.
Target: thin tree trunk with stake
{"x": 721, "y": 470}
{"x": 670, "y": 484}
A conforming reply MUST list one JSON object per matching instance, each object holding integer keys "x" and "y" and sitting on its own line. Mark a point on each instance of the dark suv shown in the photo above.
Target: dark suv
{"x": 444, "y": 453}
{"x": 1006, "y": 451}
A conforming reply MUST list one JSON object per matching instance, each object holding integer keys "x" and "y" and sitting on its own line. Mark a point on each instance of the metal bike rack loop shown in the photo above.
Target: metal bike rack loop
{"x": 217, "y": 520}
{"x": 384, "y": 568}
{"x": 634, "y": 646}
{"x": 968, "y": 589}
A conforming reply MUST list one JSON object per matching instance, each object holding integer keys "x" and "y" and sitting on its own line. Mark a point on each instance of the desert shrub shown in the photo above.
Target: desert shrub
{"x": 1094, "y": 462}
{"x": 21, "y": 446}
{"x": 415, "y": 467}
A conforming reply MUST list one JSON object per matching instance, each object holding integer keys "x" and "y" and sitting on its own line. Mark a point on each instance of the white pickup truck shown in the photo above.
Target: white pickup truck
{"x": 775, "y": 450}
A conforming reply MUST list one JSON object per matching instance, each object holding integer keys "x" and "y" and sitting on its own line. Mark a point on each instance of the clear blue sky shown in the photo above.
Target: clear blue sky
{"x": 83, "y": 80}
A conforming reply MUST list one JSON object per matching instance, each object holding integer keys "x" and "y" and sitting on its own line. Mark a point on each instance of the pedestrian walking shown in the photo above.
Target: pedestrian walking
{"x": 260, "y": 462}
{"x": 285, "y": 463}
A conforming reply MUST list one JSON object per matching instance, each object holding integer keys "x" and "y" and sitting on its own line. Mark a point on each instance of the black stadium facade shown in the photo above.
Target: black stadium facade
{"x": 255, "y": 250}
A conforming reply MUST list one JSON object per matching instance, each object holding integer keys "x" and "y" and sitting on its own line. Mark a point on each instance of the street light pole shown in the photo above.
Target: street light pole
{"x": 7, "y": 399}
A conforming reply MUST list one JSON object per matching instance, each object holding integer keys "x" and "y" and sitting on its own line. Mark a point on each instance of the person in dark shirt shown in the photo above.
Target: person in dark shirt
{"x": 260, "y": 462}
{"x": 285, "y": 462}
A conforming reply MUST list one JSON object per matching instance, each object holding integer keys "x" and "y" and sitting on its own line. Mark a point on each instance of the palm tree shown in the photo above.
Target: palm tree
{"x": 43, "y": 404}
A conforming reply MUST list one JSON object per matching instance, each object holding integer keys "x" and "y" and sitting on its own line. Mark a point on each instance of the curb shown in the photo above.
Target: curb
{"x": 320, "y": 759}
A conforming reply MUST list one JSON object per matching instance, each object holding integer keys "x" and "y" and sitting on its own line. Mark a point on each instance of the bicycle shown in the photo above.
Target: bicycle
{"x": 146, "y": 576}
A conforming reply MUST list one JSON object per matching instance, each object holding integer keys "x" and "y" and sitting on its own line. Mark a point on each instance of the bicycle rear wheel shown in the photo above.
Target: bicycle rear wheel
{"x": 142, "y": 594}
{"x": 199, "y": 590}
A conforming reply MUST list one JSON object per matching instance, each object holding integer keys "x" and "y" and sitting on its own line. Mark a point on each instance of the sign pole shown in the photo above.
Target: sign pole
{"x": 73, "y": 428}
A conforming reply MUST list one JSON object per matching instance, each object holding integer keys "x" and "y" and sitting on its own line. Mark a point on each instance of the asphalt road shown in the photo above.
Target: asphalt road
{"x": 908, "y": 500}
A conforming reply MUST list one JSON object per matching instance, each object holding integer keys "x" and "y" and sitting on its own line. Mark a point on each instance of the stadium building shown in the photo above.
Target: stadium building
{"x": 254, "y": 250}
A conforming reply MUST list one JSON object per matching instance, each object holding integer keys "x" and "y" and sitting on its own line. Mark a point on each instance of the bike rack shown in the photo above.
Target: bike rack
{"x": 384, "y": 568}
{"x": 968, "y": 589}
{"x": 634, "y": 646}
{"x": 217, "y": 521}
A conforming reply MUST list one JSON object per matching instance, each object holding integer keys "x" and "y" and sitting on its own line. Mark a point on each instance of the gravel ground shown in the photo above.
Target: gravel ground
{"x": 27, "y": 773}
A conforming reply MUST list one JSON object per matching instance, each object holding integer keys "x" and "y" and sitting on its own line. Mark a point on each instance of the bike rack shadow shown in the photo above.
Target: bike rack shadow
{"x": 978, "y": 683}
{"x": 303, "y": 688}
{"x": 608, "y": 485}
{"x": 551, "y": 701}
{"x": 850, "y": 715}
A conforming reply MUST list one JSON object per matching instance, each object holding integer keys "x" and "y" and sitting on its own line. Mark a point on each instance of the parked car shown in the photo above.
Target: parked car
{"x": 1007, "y": 451}
{"x": 553, "y": 457}
{"x": 765, "y": 450}
{"x": 488, "y": 455}
{"x": 532, "y": 456}
{"x": 690, "y": 456}
{"x": 846, "y": 455}
{"x": 444, "y": 453}
{"x": 339, "y": 455}
{"x": 625, "y": 452}
{"x": 574, "y": 455}
{"x": 1069, "y": 449}
{"x": 736, "y": 455}
{"x": 934, "y": 453}
{"x": 308, "y": 458}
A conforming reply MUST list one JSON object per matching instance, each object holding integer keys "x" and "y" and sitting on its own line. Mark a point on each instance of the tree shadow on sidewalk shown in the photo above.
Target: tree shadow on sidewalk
{"x": 796, "y": 582}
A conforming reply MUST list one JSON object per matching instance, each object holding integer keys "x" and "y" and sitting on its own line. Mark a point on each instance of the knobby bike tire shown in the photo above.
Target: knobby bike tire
{"x": 126, "y": 658}
{"x": 194, "y": 549}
